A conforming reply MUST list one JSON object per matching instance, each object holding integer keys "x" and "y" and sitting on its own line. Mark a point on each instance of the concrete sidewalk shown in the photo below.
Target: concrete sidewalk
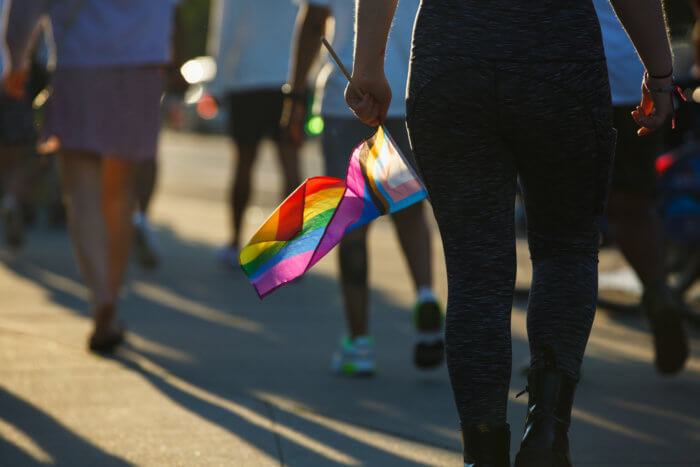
{"x": 213, "y": 376}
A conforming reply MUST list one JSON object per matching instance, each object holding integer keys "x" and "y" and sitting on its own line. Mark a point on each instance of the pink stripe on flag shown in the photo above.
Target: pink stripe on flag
{"x": 282, "y": 272}
{"x": 349, "y": 209}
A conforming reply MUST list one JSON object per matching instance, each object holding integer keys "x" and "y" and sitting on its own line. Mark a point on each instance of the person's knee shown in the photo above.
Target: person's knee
{"x": 246, "y": 158}
{"x": 583, "y": 241}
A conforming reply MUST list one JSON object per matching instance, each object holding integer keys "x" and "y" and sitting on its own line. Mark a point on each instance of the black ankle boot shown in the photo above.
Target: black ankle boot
{"x": 486, "y": 446}
{"x": 546, "y": 440}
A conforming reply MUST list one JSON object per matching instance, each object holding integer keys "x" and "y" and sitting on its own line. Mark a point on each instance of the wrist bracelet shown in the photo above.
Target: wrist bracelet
{"x": 666, "y": 76}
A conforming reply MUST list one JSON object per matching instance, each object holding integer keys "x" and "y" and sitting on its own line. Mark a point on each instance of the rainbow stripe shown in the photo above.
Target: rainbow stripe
{"x": 314, "y": 218}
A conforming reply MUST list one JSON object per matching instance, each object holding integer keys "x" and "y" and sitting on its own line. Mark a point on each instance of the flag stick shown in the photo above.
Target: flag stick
{"x": 337, "y": 61}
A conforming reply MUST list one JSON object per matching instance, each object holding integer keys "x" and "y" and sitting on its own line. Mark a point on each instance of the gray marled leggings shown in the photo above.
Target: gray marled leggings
{"x": 475, "y": 127}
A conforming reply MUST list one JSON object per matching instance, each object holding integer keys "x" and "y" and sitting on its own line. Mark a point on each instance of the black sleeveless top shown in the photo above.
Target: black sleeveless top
{"x": 509, "y": 30}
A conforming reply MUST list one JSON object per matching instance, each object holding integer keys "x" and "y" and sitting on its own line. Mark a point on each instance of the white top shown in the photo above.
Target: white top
{"x": 398, "y": 54}
{"x": 250, "y": 40}
{"x": 625, "y": 70}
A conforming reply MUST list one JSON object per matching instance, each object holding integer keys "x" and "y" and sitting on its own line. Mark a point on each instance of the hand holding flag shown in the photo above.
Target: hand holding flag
{"x": 313, "y": 219}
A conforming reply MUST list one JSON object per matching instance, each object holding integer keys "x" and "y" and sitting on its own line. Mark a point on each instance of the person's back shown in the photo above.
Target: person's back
{"x": 250, "y": 41}
{"x": 111, "y": 32}
{"x": 512, "y": 30}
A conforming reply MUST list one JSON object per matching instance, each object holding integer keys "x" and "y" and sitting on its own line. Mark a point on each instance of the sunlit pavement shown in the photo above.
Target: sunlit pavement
{"x": 213, "y": 376}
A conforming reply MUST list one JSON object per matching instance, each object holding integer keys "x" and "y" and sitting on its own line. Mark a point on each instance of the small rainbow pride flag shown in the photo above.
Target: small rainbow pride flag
{"x": 314, "y": 218}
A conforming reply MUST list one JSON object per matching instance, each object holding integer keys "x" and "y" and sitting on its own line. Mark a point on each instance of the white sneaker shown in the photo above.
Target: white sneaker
{"x": 355, "y": 357}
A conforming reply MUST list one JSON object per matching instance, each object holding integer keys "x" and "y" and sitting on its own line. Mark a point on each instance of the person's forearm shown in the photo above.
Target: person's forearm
{"x": 23, "y": 18}
{"x": 310, "y": 27}
{"x": 645, "y": 23}
{"x": 372, "y": 29}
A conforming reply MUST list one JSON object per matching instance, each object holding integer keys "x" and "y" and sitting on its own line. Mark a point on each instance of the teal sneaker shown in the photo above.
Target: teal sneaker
{"x": 429, "y": 347}
{"x": 355, "y": 357}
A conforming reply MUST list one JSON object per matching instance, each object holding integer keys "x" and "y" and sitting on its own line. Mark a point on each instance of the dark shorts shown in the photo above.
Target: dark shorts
{"x": 341, "y": 135}
{"x": 255, "y": 115}
{"x": 634, "y": 156}
{"x": 16, "y": 122}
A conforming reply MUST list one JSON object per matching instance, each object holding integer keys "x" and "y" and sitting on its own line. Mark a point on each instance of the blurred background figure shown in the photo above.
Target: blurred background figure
{"x": 343, "y": 132}
{"x": 146, "y": 249}
{"x": 17, "y": 135}
{"x": 146, "y": 246}
{"x": 102, "y": 117}
{"x": 250, "y": 40}
{"x": 632, "y": 205}
{"x": 16, "y": 138}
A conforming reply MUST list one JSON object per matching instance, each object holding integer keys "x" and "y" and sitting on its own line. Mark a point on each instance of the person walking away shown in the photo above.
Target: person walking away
{"x": 103, "y": 116}
{"x": 498, "y": 90}
{"x": 635, "y": 222}
{"x": 146, "y": 246}
{"x": 16, "y": 137}
{"x": 341, "y": 134}
{"x": 250, "y": 40}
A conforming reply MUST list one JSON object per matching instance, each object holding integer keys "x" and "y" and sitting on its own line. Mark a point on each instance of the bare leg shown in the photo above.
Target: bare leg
{"x": 13, "y": 179}
{"x": 145, "y": 183}
{"x": 637, "y": 229}
{"x": 81, "y": 175}
{"x": 11, "y": 173}
{"x": 117, "y": 206}
{"x": 289, "y": 160}
{"x": 353, "y": 276}
{"x": 240, "y": 190}
{"x": 414, "y": 237}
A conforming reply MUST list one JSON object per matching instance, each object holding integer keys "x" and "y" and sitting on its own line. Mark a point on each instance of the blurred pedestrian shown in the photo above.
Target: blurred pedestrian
{"x": 103, "y": 118}
{"x": 17, "y": 134}
{"x": 632, "y": 213}
{"x": 146, "y": 246}
{"x": 250, "y": 40}
{"x": 342, "y": 132}
{"x": 16, "y": 137}
{"x": 500, "y": 89}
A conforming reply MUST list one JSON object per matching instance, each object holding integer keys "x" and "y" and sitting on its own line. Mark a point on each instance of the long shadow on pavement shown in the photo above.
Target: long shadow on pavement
{"x": 51, "y": 442}
{"x": 229, "y": 353}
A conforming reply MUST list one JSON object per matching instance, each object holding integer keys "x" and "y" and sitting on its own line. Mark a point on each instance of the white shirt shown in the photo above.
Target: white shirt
{"x": 398, "y": 54}
{"x": 625, "y": 70}
{"x": 250, "y": 40}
